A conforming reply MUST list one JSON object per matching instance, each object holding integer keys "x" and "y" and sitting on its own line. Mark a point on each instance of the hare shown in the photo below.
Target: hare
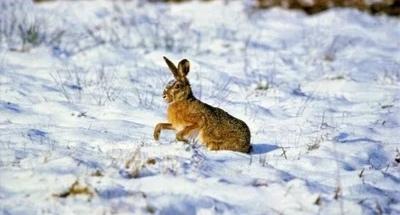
{"x": 215, "y": 128}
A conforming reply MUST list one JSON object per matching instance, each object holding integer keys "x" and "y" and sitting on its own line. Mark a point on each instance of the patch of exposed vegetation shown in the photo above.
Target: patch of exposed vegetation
{"x": 76, "y": 189}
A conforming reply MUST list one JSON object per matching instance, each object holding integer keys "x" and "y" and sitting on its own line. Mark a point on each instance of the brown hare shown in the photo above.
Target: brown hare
{"x": 189, "y": 116}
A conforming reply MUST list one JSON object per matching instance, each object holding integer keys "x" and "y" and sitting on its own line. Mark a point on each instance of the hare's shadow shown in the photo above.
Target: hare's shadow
{"x": 261, "y": 148}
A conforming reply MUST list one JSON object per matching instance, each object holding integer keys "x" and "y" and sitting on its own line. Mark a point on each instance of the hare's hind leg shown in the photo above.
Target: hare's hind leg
{"x": 159, "y": 127}
{"x": 230, "y": 146}
{"x": 234, "y": 146}
{"x": 214, "y": 145}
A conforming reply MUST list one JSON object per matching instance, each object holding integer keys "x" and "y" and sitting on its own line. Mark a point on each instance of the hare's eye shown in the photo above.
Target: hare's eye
{"x": 177, "y": 86}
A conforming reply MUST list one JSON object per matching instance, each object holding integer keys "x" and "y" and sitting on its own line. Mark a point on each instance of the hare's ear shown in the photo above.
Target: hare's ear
{"x": 172, "y": 67}
{"x": 183, "y": 67}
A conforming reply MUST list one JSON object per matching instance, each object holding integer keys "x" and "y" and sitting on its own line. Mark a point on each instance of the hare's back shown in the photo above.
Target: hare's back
{"x": 223, "y": 120}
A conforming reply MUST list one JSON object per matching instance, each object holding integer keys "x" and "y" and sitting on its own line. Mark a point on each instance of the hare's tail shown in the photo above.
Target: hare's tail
{"x": 251, "y": 149}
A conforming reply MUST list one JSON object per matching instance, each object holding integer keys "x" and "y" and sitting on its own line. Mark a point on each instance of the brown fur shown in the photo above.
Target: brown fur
{"x": 217, "y": 129}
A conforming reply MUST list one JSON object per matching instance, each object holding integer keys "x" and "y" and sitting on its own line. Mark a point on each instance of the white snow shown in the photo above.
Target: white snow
{"x": 319, "y": 93}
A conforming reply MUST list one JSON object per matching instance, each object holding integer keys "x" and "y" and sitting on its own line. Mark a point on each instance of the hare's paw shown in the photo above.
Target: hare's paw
{"x": 156, "y": 135}
{"x": 180, "y": 137}
{"x": 159, "y": 127}
{"x": 157, "y": 131}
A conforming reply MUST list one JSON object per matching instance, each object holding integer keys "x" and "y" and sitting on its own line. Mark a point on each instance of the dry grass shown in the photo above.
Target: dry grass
{"x": 76, "y": 189}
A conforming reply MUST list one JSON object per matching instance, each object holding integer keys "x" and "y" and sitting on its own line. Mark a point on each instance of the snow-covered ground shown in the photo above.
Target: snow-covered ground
{"x": 320, "y": 95}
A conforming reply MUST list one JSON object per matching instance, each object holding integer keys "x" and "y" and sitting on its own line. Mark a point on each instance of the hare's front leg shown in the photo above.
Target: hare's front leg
{"x": 159, "y": 127}
{"x": 180, "y": 136}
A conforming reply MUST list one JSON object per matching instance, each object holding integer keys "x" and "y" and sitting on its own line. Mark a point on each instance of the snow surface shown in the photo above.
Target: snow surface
{"x": 320, "y": 95}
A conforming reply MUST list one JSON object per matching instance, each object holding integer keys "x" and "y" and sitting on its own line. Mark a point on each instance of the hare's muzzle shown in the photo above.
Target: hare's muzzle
{"x": 165, "y": 96}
